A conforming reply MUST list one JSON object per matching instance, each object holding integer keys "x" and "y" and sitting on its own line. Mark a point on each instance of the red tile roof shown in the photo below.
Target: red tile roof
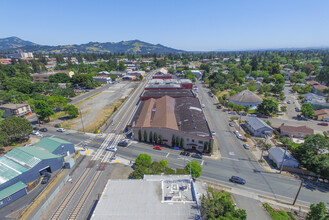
{"x": 321, "y": 112}
{"x": 293, "y": 129}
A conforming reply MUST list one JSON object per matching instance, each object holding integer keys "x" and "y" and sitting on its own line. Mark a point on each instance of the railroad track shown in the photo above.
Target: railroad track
{"x": 59, "y": 211}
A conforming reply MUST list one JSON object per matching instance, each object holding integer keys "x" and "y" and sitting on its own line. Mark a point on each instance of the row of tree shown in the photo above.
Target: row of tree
{"x": 144, "y": 165}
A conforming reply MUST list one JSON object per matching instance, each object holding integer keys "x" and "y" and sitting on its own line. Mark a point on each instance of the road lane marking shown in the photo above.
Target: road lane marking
{"x": 167, "y": 154}
{"x": 202, "y": 162}
{"x": 228, "y": 158}
{"x": 231, "y": 153}
{"x": 88, "y": 152}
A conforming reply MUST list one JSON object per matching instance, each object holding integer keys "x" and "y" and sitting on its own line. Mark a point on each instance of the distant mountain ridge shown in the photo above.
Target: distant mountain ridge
{"x": 11, "y": 44}
{"x": 14, "y": 42}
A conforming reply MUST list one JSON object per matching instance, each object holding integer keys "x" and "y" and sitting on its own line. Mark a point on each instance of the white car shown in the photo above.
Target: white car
{"x": 213, "y": 133}
{"x": 113, "y": 149}
{"x": 203, "y": 105}
{"x": 35, "y": 133}
{"x": 60, "y": 130}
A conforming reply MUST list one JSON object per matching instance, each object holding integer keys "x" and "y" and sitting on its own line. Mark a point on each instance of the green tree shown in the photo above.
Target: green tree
{"x": 72, "y": 111}
{"x": 139, "y": 135}
{"x": 18, "y": 84}
{"x": 307, "y": 110}
{"x": 43, "y": 109}
{"x": 219, "y": 205}
{"x": 143, "y": 160}
{"x": 155, "y": 138}
{"x": 57, "y": 101}
{"x": 122, "y": 66}
{"x": 310, "y": 154}
{"x": 4, "y": 139}
{"x": 145, "y": 136}
{"x": 323, "y": 75}
{"x": 196, "y": 169}
{"x": 173, "y": 141}
{"x": 151, "y": 137}
{"x": 16, "y": 127}
{"x": 318, "y": 212}
{"x": 160, "y": 139}
{"x": 268, "y": 107}
{"x": 59, "y": 78}
{"x": 177, "y": 141}
{"x": 164, "y": 163}
{"x": 181, "y": 144}
{"x": 254, "y": 63}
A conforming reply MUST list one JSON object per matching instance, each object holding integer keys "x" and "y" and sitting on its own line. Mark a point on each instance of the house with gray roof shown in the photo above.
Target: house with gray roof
{"x": 245, "y": 98}
{"x": 258, "y": 127}
{"x": 276, "y": 154}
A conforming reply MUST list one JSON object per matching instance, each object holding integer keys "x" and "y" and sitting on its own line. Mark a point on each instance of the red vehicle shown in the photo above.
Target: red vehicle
{"x": 323, "y": 123}
{"x": 157, "y": 148}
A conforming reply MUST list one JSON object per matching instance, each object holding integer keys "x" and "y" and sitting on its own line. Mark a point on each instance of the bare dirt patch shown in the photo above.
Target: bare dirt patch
{"x": 120, "y": 171}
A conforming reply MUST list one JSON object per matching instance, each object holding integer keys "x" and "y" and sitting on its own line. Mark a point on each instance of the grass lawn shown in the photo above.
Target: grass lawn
{"x": 251, "y": 111}
{"x": 57, "y": 115}
{"x": 278, "y": 214}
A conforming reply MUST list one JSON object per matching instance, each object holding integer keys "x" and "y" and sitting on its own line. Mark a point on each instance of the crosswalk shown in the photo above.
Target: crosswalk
{"x": 101, "y": 153}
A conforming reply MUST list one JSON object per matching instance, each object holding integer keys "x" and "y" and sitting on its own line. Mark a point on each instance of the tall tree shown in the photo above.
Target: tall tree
{"x": 16, "y": 127}
{"x": 254, "y": 63}
{"x": 307, "y": 110}
{"x": 317, "y": 212}
{"x": 268, "y": 107}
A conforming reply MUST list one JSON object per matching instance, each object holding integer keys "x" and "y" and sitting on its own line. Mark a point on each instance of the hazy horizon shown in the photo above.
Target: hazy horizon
{"x": 186, "y": 25}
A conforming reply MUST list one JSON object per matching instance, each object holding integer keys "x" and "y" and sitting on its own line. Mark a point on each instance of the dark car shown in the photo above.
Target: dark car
{"x": 35, "y": 128}
{"x": 184, "y": 153}
{"x": 243, "y": 113}
{"x": 323, "y": 123}
{"x": 219, "y": 106}
{"x": 236, "y": 179}
{"x": 123, "y": 143}
{"x": 43, "y": 129}
{"x": 198, "y": 156}
{"x": 45, "y": 178}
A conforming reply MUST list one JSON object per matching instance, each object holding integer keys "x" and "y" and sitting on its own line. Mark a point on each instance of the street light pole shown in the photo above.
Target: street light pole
{"x": 300, "y": 187}
{"x": 83, "y": 127}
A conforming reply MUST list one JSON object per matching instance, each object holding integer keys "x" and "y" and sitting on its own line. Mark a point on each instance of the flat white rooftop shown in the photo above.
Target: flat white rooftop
{"x": 154, "y": 197}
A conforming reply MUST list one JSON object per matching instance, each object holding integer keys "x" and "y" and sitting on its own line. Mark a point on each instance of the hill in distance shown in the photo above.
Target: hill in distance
{"x": 133, "y": 46}
{"x": 14, "y": 42}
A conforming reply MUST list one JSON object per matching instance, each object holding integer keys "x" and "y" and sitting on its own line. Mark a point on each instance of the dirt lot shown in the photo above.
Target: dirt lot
{"x": 120, "y": 171}
{"x": 96, "y": 108}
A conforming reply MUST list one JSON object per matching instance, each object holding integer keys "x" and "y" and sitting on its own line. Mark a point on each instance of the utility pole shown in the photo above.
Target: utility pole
{"x": 300, "y": 187}
{"x": 83, "y": 127}
{"x": 284, "y": 155}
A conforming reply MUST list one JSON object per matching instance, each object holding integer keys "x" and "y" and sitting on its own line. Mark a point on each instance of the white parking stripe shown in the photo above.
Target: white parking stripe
{"x": 167, "y": 154}
{"x": 202, "y": 162}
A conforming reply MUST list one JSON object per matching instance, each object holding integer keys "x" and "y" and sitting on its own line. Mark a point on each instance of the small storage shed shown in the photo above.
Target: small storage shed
{"x": 276, "y": 154}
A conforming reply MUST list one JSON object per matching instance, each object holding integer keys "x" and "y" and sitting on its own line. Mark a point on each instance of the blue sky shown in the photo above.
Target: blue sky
{"x": 189, "y": 25}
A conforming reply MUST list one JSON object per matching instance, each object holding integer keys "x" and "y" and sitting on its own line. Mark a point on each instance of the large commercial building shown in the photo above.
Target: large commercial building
{"x": 154, "y": 197}
{"x": 169, "y": 117}
{"x": 169, "y": 84}
{"x": 22, "y": 166}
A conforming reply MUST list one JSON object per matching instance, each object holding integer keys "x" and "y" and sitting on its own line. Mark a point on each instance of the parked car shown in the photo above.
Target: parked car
{"x": 123, "y": 143}
{"x": 35, "y": 128}
{"x": 60, "y": 130}
{"x": 232, "y": 113}
{"x": 246, "y": 146}
{"x": 323, "y": 123}
{"x": 176, "y": 148}
{"x": 213, "y": 133}
{"x": 184, "y": 153}
{"x": 45, "y": 178}
{"x": 203, "y": 105}
{"x": 197, "y": 156}
{"x": 243, "y": 113}
{"x": 236, "y": 132}
{"x": 157, "y": 148}
{"x": 289, "y": 102}
{"x": 253, "y": 115}
{"x": 219, "y": 107}
{"x": 35, "y": 133}
{"x": 297, "y": 109}
{"x": 236, "y": 179}
{"x": 231, "y": 124}
{"x": 113, "y": 149}
{"x": 43, "y": 129}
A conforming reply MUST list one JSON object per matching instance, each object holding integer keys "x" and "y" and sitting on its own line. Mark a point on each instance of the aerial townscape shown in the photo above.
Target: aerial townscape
{"x": 168, "y": 126}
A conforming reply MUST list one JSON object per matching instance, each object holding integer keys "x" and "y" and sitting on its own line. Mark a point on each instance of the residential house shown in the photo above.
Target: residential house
{"x": 295, "y": 131}
{"x": 322, "y": 114}
{"x": 258, "y": 127}
{"x": 246, "y": 98}
{"x": 19, "y": 110}
{"x": 317, "y": 101}
{"x": 276, "y": 155}
{"x": 318, "y": 88}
